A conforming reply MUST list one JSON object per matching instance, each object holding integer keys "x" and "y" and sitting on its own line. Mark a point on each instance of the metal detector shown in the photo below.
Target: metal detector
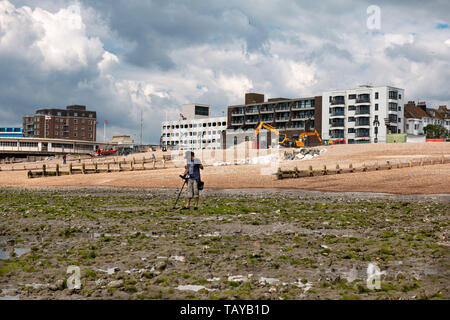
{"x": 185, "y": 178}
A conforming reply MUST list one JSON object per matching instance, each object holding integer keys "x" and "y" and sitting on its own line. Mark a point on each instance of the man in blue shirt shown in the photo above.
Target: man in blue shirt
{"x": 192, "y": 172}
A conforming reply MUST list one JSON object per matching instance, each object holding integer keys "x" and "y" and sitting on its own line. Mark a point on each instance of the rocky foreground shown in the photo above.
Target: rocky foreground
{"x": 241, "y": 244}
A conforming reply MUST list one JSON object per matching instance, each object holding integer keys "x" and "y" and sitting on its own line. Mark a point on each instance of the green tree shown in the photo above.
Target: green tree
{"x": 435, "y": 131}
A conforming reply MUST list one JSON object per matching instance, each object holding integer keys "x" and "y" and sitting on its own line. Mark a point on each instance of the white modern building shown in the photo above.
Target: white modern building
{"x": 362, "y": 115}
{"x": 195, "y": 131}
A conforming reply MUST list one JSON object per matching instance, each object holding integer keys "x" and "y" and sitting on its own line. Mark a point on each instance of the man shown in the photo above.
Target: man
{"x": 192, "y": 172}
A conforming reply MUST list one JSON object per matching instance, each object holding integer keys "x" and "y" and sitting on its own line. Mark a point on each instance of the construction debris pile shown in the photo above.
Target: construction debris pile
{"x": 303, "y": 154}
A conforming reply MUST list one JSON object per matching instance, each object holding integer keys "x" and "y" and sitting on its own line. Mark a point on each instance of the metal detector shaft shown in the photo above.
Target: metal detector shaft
{"x": 174, "y": 206}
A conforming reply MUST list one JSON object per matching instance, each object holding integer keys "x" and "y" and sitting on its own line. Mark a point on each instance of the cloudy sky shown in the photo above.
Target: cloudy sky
{"x": 120, "y": 57}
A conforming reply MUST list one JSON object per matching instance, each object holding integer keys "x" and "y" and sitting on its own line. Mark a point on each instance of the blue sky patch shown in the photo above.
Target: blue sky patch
{"x": 442, "y": 26}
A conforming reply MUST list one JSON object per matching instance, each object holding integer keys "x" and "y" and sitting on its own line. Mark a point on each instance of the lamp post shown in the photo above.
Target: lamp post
{"x": 376, "y": 123}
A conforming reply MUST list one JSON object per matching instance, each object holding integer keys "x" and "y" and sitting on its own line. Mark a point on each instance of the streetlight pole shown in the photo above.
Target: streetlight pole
{"x": 376, "y": 123}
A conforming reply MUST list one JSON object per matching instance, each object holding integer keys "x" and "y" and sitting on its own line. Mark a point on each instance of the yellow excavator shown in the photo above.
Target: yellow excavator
{"x": 282, "y": 140}
{"x": 299, "y": 142}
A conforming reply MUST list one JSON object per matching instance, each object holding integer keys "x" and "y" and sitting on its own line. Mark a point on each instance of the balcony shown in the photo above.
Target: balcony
{"x": 337, "y": 134}
{"x": 362, "y": 122}
{"x": 362, "y": 100}
{"x": 252, "y": 111}
{"x": 266, "y": 110}
{"x": 282, "y": 109}
{"x": 336, "y": 100}
{"x": 237, "y": 123}
{"x": 283, "y": 119}
{"x": 362, "y": 134}
{"x": 237, "y": 112}
{"x": 337, "y": 113}
{"x": 339, "y": 124}
{"x": 252, "y": 121}
{"x": 362, "y": 111}
{"x": 303, "y": 104}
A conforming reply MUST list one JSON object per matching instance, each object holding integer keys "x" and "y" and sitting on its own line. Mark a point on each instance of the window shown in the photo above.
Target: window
{"x": 89, "y": 128}
{"x": 74, "y": 134}
{"x": 399, "y": 119}
{"x": 8, "y": 144}
{"x": 75, "y": 114}
{"x": 201, "y": 111}
{"x": 393, "y": 95}
{"x": 75, "y": 121}
{"x": 351, "y": 119}
{"x": 82, "y": 121}
{"x": 399, "y": 96}
{"x": 376, "y": 106}
{"x": 56, "y": 133}
{"x": 351, "y": 130}
{"x": 75, "y": 128}
{"x": 376, "y": 95}
{"x": 399, "y": 108}
{"x": 90, "y": 135}
{"x": 351, "y": 108}
{"x": 352, "y": 96}
{"x": 46, "y": 132}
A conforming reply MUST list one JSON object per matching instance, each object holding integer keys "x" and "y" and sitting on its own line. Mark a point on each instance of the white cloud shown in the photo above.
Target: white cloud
{"x": 60, "y": 56}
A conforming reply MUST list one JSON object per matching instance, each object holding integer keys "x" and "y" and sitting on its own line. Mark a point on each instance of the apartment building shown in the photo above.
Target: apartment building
{"x": 72, "y": 123}
{"x": 362, "y": 115}
{"x": 196, "y": 130}
{"x": 289, "y": 116}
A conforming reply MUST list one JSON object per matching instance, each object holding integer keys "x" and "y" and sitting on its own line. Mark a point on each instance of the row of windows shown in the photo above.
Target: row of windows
{"x": 8, "y": 144}
{"x": 11, "y": 129}
{"x": 176, "y": 134}
{"x": 194, "y": 141}
{"x": 392, "y": 95}
{"x": 29, "y": 144}
{"x": 57, "y": 133}
{"x": 61, "y": 145}
{"x": 392, "y": 118}
{"x": 204, "y": 125}
{"x": 75, "y": 114}
{"x": 62, "y": 120}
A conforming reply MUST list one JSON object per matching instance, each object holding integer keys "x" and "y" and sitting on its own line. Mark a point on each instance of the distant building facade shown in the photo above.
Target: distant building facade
{"x": 14, "y": 132}
{"x": 72, "y": 123}
{"x": 290, "y": 117}
{"x": 362, "y": 115}
{"x": 197, "y": 130}
{"x": 419, "y": 116}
